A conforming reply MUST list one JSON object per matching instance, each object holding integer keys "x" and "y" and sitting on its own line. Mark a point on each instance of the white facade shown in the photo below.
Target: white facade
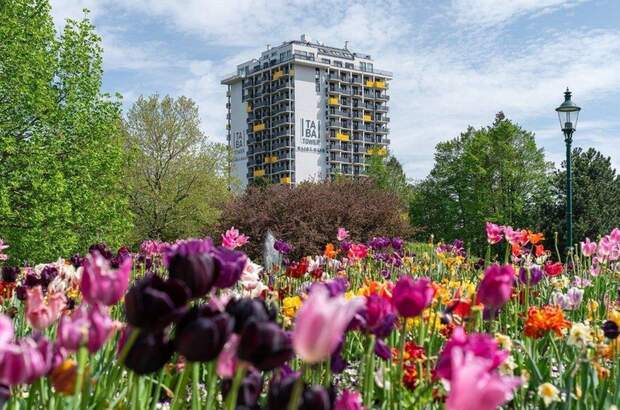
{"x": 306, "y": 111}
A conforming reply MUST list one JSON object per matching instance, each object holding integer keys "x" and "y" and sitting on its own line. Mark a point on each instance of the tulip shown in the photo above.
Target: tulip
{"x": 41, "y": 314}
{"x": 480, "y": 345}
{"x": 3, "y": 256}
{"x": 321, "y": 322}
{"x": 495, "y": 288}
{"x": 494, "y": 233}
{"x": 611, "y": 329}
{"x": 186, "y": 247}
{"x": 102, "y": 284}
{"x": 6, "y": 331}
{"x": 349, "y": 400}
{"x": 153, "y": 303}
{"x": 227, "y": 361}
{"x": 202, "y": 333}
{"x": 25, "y": 361}
{"x": 10, "y": 273}
{"x": 149, "y": 352}
{"x": 233, "y": 239}
{"x": 90, "y": 326}
{"x": 64, "y": 377}
{"x": 530, "y": 277}
{"x": 265, "y": 345}
{"x": 472, "y": 383}
{"x": 312, "y": 398}
{"x": 588, "y": 248}
{"x": 196, "y": 270}
{"x": 245, "y": 310}
{"x": 282, "y": 247}
{"x": 379, "y": 316}
{"x": 411, "y": 297}
{"x": 554, "y": 269}
{"x": 342, "y": 234}
{"x": 229, "y": 266}
{"x": 249, "y": 390}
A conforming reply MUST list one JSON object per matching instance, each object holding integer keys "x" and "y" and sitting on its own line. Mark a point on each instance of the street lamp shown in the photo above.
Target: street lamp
{"x": 568, "y": 113}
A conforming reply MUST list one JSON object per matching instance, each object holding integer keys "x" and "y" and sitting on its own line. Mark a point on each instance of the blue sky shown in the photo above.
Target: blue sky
{"x": 455, "y": 63}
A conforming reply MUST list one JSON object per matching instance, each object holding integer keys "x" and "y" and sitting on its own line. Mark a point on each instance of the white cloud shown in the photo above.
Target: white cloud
{"x": 63, "y": 9}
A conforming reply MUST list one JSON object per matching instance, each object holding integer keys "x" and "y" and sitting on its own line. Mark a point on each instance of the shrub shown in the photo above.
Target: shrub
{"x": 308, "y": 215}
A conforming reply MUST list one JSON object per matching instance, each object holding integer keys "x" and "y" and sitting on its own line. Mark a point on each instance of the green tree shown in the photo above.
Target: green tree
{"x": 495, "y": 173}
{"x": 596, "y": 188}
{"x": 388, "y": 174}
{"x": 177, "y": 179}
{"x": 61, "y": 154}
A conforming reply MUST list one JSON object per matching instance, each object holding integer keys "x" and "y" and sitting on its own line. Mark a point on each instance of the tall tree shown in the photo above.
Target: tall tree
{"x": 596, "y": 188}
{"x": 61, "y": 154}
{"x": 177, "y": 178}
{"x": 388, "y": 174}
{"x": 495, "y": 173}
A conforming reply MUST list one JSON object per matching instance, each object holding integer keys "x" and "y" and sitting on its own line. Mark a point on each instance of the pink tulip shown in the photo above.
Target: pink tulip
{"x": 357, "y": 251}
{"x": 3, "y": 256}
{"x": 495, "y": 288}
{"x": 227, "y": 360}
{"x": 349, "y": 400}
{"x": 474, "y": 385}
{"x": 102, "y": 284}
{"x": 25, "y": 361}
{"x": 342, "y": 234}
{"x": 6, "y": 331}
{"x": 588, "y": 248}
{"x": 232, "y": 239}
{"x": 410, "y": 297}
{"x": 90, "y": 326}
{"x": 494, "y": 233}
{"x": 615, "y": 235}
{"x": 41, "y": 314}
{"x": 321, "y": 322}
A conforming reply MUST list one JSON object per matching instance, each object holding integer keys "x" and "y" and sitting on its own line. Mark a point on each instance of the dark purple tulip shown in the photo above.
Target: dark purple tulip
{"x": 318, "y": 398}
{"x": 283, "y": 247}
{"x": 397, "y": 244}
{"x": 382, "y": 350}
{"x": 611, "y": 329}
{"x": 265, "y": 345}
{"x": 246, "y": 310}
{"x": 313, "y": 397}
{"x": 76, "y": 260}
{"x": 535, "y": 275}
{"x": 48, "y": 274}
{"x": 196, "y": 270}
{"x": 249, "y": 391}
{"x": 202, "y": 333}
{"x": 229, "y": 265}
{"x": 410, "y": 297}
{"x": 10, "y": 273}
{"x": 337, "y": 362}
{"x": 32, "y": 280}
{"x": 153, "y": 303}
{"x": 345, "y": 246}
{"x": 102, "y": 248}
{"x": 149, "y": 352}
{"x": 21, "y": 293}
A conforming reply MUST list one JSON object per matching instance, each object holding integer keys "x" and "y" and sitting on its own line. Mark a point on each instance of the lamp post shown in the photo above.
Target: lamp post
{"x": 568, "y": 113}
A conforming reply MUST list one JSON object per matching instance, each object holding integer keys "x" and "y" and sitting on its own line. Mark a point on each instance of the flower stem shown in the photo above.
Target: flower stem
{"x": 231, "y": 400}
{"x": 195, "y": 388}
{"x": 82, "y": 359}
{"x": 297, "y": 390}
{"x": 128, "y": 344}
{"x": 179, "y": 393}
{"x": 211, "y": 384}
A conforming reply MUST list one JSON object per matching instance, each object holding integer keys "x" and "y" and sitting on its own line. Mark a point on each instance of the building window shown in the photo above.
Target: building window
{"x": 348, "y": 65}
{"x": 326, "y": 60}
{"x": 338, "y": 63}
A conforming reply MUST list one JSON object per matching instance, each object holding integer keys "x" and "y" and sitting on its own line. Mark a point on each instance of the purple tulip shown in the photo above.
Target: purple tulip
{"x": 202, "y": 333}
{"x": 186, "y": 247}
{"x": 532, "y": 277}
{"x": 102, "y": 284}
{"x": 87, "y": 325}
{"x": 495, "y": 288}
{"x": 410, "y": 297}
{"x": 283, "y": 247}
{"x": 349, "y": 400}
{"x": 265, "y": 345}
{"x": 249, "y": 391}
{"x": 10, "y": 273}
{"x": 153, "y": 303}
{"x": 25, "y": 361}
{"x": 229, "y": 265}
{"x": 312, "y": 398}
{"x": 246, "y": 310}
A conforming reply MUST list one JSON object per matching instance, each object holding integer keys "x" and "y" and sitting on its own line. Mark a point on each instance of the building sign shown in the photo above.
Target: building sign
{"x": 310, "y": 140}
{"x": 238, "y": 144}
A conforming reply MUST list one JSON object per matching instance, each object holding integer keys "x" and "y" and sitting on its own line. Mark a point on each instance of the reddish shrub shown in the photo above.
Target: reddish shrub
{"x": 307, "y": 216}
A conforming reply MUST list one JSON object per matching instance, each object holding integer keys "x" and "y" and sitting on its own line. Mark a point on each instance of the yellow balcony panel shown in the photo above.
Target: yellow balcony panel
{"x": 291, "y": 71}
{"x": 382, "y": 151}
{"x": 259, "y": 172}
{"x": 333, "y": 101}
{"x": 370, "y": 83}
{"x": 278, "y": 74}
{"x": 285, "y": 180}
{"x": 258, "y": 127}
{"x": 367, "y": 118}
{"x": 380, "y": 84}
{"x": 271, "y": 159}
{"x": 342, "y": 137}
{"x": 248, "y": 108}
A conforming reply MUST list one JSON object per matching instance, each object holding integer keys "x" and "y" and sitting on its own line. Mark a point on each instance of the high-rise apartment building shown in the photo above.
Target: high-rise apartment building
{"x": 305, "y": 111}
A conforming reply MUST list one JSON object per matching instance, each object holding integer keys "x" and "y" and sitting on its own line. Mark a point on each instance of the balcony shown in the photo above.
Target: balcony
{"x": 248, "y": 107}
{"x": 380, "y": 151}
{"x": 367, "y": 118}
{"x": 342, "y": 136}
{"x": 271, "y": 159}
{"x": 259, "y": 173}
{"x": 285, "y": 180}
{"x": 258, "y": 127}
{"x": 277, "y": 74}
{"x": 380, "y": 84}
{"x": 370, "y": 83}
{"x": 333, "y": 101}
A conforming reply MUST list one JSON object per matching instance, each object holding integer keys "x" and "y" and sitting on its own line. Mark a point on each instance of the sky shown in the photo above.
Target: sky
{"x": 455, "y": 63}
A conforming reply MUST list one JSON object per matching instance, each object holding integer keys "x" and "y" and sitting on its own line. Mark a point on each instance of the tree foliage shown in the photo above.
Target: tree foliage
{"x": 177, "y": 179}
{"x": 388, "y": 174}
{"x": 61, "y": 154}
{"x": 596, "y": 188}
{"x": 309, "y": 214}
{"x": 496, "y": 173}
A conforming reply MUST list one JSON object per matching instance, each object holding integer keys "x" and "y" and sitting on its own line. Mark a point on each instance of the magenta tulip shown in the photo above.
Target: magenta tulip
{"x": 90, "y": 326}
{"x": 494, "y": 233}
{"x": 321, "y": 322}
{"x": 43, "y": 311}
{"x": 410, "y": 297}
{"x": 6, "y": 331}
{"x": 495, "y": 288}
{"x": 25, "y": 361}
{"x": 102, "y": 284}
